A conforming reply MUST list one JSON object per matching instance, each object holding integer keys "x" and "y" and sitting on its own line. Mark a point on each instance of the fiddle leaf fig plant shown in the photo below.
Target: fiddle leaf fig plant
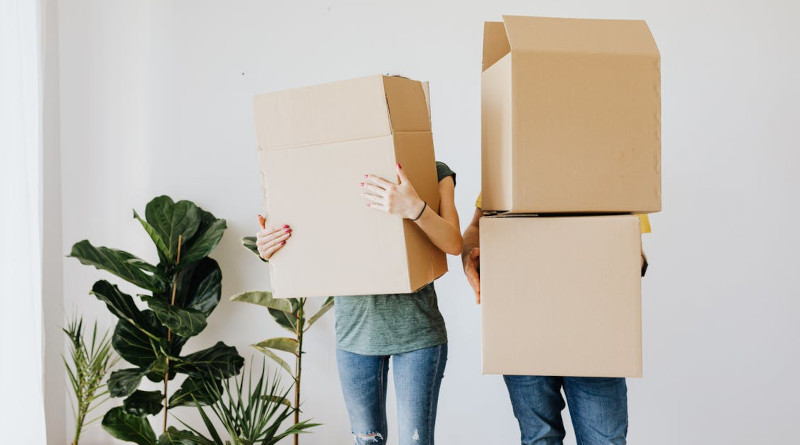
{"x": 180, "y": 292}
{"x": 290, "y": 314}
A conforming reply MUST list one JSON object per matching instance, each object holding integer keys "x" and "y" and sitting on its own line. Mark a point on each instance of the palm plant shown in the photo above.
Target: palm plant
{"x": 290, "y": 314}
{"x": 89, "y": 362}
{"x": 250, "y": 414}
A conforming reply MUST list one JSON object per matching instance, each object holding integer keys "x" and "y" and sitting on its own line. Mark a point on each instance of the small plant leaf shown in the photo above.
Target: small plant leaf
{"x": 249, "y": 243}
{"x": 120, "y": 263}
{"x": 282, "y": 363}
{"x": 326, "y": 306}
{"x": 182, "y": 321}
{"x": 280, "y": 344}
{"x": 264, "y": 298}
{"x": 143, "y": 403}
{"x": 128, "y": 427}
{"x": 161, "y": 246}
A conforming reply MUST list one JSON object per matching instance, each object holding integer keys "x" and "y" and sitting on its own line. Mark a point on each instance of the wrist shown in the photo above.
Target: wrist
{"x": 419, "y": 209}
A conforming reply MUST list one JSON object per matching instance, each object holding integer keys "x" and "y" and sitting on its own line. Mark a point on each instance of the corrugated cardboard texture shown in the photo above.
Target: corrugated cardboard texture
{"x": 315, "y": 145}
{"x": 561, "y": 296}
{"x": 585, "y": 117}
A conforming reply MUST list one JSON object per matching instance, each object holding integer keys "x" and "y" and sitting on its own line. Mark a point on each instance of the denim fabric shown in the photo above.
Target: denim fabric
{"x": 417, "y": 378}
{"x": 598, "y": 407}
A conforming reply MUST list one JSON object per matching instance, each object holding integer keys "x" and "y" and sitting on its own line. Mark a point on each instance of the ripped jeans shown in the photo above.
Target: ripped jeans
{"x": 417, "y": 378}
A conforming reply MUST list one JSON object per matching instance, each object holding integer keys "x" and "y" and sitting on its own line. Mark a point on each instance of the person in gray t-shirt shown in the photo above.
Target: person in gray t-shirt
{"x": 408, "y": 329}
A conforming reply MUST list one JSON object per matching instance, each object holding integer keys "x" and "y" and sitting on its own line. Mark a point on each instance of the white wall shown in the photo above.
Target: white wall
{"x": 156, "y": 99}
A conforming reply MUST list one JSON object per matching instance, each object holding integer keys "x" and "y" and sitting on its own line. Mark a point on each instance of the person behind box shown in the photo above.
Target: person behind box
{"x": 598, "y": 406}
{"x": 408, "y": 329}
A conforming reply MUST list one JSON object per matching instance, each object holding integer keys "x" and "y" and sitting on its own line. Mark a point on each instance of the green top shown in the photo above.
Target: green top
{"x": 393, "y": 323}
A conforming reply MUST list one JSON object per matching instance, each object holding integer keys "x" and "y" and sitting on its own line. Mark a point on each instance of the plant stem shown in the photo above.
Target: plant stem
{"x": 169, "y": 331}
{"x": 299, "y": 328}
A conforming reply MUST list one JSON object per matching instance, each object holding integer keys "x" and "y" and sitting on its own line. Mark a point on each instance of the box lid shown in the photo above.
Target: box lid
{"x": 544, "y": 34}
{"x": 360, "y": 108}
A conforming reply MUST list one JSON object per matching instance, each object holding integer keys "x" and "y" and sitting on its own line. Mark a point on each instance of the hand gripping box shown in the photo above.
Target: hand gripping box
{"x": 561, "y": 296}
{"x": 315, "y": 144}
{"x": 571, "y": 116}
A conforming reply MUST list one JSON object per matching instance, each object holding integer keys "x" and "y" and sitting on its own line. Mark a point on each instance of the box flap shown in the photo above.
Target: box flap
{"x": 495, "y": 43}
{"x": 408, "y": 105}
{"x": 337, "y": 111}
{"x": 543, "y": 34}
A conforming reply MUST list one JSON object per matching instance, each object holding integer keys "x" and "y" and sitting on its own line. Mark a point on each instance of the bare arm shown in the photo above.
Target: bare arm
{"x": 470, "y": 254}
{"x": 402, "y": 200}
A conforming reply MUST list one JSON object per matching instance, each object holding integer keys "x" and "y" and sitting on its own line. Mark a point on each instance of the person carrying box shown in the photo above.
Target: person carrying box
{"x": 598, "y": 406}
{"x": 409, "y": 329}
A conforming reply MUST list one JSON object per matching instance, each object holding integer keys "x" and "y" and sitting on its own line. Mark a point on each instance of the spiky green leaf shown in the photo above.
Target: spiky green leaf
{"x": 281, "y": 344}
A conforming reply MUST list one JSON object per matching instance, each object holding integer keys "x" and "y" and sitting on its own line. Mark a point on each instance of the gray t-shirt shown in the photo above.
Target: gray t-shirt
{"x": 393, "y": 323}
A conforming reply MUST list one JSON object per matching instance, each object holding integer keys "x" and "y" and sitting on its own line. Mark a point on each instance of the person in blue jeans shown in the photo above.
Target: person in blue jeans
{"x": 598, "y": 406}
{"x": 406, "y": 329}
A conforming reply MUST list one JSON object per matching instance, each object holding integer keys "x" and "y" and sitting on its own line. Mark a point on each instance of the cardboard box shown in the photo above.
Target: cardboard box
{"x": 315, "y": 145}
{"x": 561, "y": 296}
{"x": 571, "y": 116}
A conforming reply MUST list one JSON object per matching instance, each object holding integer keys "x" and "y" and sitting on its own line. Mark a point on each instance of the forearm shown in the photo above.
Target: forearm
{"x": 442, "y": 233}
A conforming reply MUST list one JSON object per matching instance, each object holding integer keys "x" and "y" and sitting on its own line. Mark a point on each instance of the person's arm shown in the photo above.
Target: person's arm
{"x": 402, "y": 200}
{"x": 470, "y": 254}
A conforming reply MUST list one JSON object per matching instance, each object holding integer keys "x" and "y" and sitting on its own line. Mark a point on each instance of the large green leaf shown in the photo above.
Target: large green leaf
{"x": 120, "y": 263}
{"x": 135, "y": 346}
{"x": 326, "y": 306}
{"x": 264, "y": 298}
{"x": 120, "y": 304}
{"x": 128, "y": 427}
{"x": 124, "y": 382}
{"x": 205, "y": 240}
{"x": 172, "y": 221}
{"x": 143, "y": 403}
{"x": 161, "y": 246}
{"x": 281, "y": 344}
{"x": 281, "y": 362}
{"x": 218, "y": 361}
{"x": 184, "y": 322}
{"x": 194, "y": 390}
{"x": 249, "y": 243}
{"x": 200, "y": 286}
{"x": 173, "y": 436}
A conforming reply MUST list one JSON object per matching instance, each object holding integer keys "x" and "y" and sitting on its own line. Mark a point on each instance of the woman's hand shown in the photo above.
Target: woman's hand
{"x": 472, "y": 269}
{"x": 270, "y": 240}
{"x": 395, "y": 199}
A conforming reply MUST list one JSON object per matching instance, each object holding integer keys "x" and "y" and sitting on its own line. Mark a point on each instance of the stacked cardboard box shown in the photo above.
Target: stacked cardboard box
{"x": 315, "y": 144}
{"x": 570, "y": 151}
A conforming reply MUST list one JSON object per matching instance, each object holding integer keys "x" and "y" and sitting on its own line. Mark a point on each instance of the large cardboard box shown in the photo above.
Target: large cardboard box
{"x": 315, "y": 145}
{"x": 561, "y": 296}
{"x": 571, "y": 116}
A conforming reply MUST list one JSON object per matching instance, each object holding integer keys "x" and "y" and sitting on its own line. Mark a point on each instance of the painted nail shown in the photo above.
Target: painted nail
{"x": 287, "y": 230}
{"x": 286, "y": 226}
{"x": 366, "y": 176}
{"x": 361, "y": 184}
{"x": 399, "y": 166}
{"x": 283, "y": 242}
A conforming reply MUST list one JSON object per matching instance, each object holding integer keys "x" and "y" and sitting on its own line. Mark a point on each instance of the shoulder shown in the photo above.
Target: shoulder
{"x": 443, "y": 171}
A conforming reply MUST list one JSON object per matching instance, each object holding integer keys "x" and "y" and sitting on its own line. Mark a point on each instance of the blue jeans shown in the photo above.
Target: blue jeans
{"x": 417, "y": 378}
{"x": 598, "y": 407}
